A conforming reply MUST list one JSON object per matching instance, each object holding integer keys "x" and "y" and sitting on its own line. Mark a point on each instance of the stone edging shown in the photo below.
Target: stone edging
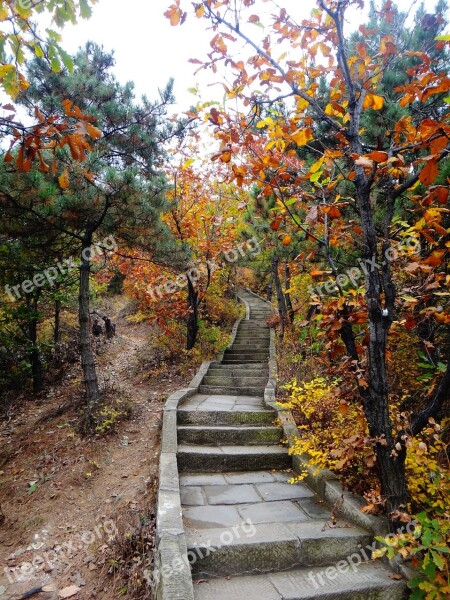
{"x": 174, "y": 579}
{"x": 325, "y": 483}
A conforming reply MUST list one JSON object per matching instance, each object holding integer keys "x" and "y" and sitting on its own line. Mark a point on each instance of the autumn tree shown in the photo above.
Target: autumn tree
{"x": 359, "y": 183}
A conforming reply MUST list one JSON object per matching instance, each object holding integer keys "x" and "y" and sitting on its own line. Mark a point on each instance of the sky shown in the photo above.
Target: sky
{"x": 149, "y": 50}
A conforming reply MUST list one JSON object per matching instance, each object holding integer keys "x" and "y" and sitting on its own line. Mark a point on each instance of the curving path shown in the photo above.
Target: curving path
{"x": 250, "y": 534}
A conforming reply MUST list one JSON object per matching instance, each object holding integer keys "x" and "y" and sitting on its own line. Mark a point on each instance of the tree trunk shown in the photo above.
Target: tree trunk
{"x": 380, "y": 298}
{"x": 34, "y": 355}
{"x": 192, "y": 319}
{"x": 280, "y": 296}
{"x": 270, "y": 288}
{"x": 87, "y": 354}
{"x": 57, "y": 322}
{"x": 287, "y": 295}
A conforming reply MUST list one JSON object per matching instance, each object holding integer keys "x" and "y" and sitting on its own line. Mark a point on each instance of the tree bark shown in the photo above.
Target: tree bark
{"x": 287, "y": 295}
{"x": 37, "y": 369}
{"x": 87, "y": 355}
{"x": 270, "y": 288}
{"x": 280, "y": 296}
{"x": 57, "y": 322}
{"x": 192, "y": 318}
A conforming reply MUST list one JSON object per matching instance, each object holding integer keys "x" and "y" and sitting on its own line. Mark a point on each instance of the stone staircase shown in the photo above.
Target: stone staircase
{"x": 251, "y": 534}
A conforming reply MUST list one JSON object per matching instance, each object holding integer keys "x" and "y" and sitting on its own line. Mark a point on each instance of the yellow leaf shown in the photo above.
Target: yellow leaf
{"x": 302, "y": 136}
{"x": 200, "y": 10}
{"x": 63, "y": 179}
{"x": 316, "y": 166}
{"x": 188, "y": 163}
{"x": 378, "y": 102}
{"x": 374, "y": 102}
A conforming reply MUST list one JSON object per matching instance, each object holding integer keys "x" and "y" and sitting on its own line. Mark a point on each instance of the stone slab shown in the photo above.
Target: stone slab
{"x": 272, "y": 512}
{"x": 250, "y": 477}
{"x": 202, "y": 479}
{"x": 192, "y": 496}
{"x": 231, "y": 494}
{"x": 283, "y": 491}
{"x": 204, "y": 517}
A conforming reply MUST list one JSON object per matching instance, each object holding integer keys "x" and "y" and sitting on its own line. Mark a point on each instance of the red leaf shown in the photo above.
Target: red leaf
{"x": 429, "y": 173}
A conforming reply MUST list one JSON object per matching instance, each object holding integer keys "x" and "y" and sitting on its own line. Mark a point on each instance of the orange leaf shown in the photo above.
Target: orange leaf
{"x": 429, "y": 173}
{"x": 378, "y": 156}
{"x": 225, "y": 157}
{"x": 173, "y": 13}
{"x": 316, "y": 273}
{"x": 286, "y": 240}
{"x": 94, "y": 132}
{"x": 63, "y": 179}
{"x": 343, "y": 409}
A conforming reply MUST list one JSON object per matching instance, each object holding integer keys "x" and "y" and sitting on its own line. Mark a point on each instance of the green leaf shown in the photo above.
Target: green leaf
{"x": 66, "y": 58}
{"x": 85, "y": 9}
{"x": 442, "y": 368}
{"x": 438, "y": 560}
{"x": 55, "y": 63}
{"x": 33, "y": 487}
{"x": 443, "y": 38}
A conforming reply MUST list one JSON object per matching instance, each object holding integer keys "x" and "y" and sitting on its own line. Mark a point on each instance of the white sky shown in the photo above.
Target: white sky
{"x": 149, "y": 50}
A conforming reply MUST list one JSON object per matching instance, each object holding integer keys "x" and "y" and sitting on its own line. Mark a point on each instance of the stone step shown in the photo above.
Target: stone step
{"x": 238, "y": 371}
{"x": 240, "y": 435}
{"x": 216, "y": 459}
{"x": 239, "y": 361}
{"x": 254, "y": 352}
{"x": 267, "y": 547}
{"x": 251, "y": 343}
{"x": 232, "y": 390}
{"x": 239, "y": 339}
{"x": 369, "y": 581}
{"x": 244, "y": 356}
{"x": 230, "y": 380}
{"x": 247, "y": 348}
{"x": 253, "y": 335}
{"x": 254, "y": 367}
{"x": 226, "y": 417}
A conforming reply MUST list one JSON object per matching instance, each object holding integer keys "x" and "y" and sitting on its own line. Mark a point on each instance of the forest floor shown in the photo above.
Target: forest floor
{"x": 65, "y": 496}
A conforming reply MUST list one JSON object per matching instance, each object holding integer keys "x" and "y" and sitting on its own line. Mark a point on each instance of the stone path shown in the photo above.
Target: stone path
{"x": 250, "y": 534}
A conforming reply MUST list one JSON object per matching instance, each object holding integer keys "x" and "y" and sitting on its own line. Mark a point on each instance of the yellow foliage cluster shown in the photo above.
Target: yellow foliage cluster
{"x": 334, "y": 433}
{"x": 428, "y": 469}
